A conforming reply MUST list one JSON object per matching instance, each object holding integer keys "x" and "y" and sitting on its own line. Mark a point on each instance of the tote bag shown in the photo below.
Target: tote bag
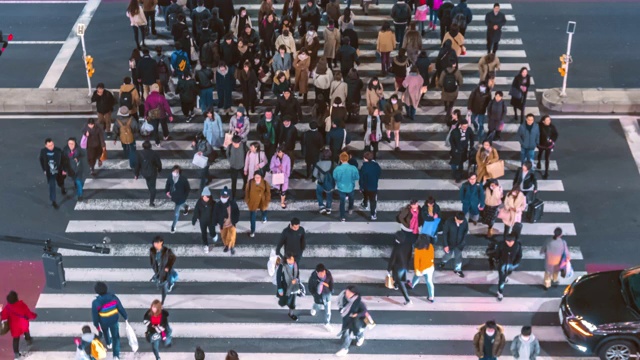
{"x": 496, "y": 169}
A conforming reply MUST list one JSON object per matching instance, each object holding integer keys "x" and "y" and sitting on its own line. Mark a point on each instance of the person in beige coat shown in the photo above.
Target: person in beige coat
{"x": 258, "y": 196}
{"x": 412, "y": 43}
{"x": 322, "y": 79}
{"x": 311, "y": 43}
{"x": 457, "y": 40}
{"x": 384, "y": 45}
{"x": 514, "y": 204}
{"x": 127, "y": 86}
{"x": 373, "y": 94}
{"x": 338, "y": 88}
{"x": 286, "y": 39}
{"x": 331, "y": 43}
{"x": 487, "y": 64}
{"x": 492, "y": 202}
{"x": 301, "y": 64}
{"x": 413, "y": 91}
{"x": 486, "y": 155}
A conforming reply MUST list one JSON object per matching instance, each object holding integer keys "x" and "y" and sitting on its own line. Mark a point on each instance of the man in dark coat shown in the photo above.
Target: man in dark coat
{"x": 454, "y": 232}
{"x": 203, "y": 213}
{"x": 369, "y": 178}
{"x": 229, "y": 53}
{"x": 312, "y": 144}
{"x": 226, "y": 10}
{"x": 422, "y": 63}
{"x": 494, "y": 20}
{"x": 227, "y": 214}
{"x": 149, "y": 165}
{"x": 287, "y": 105}
{"x": 147, "y": 71}
{"x": 508, "y": 254}
{"x": 51, "y": 164}
{"x": 461, "y": 139}
{"x": 293, "y": 240}
{"x": 310, "y": 16}
{"x": 269, "y": 132}
{"x": 347, "y": 56}
{"x": 162, "y": 259}
{"x": 288, "y": 137}
{"x": 399, "y": 262}
{"x": 321, "y": 288}
{"x": 444, "y": 15}
{"x": 177, "y": 189}
{"x": 104, "y": 105}
{"x": 477, "y": 105}
{"x": 462, "y": 16}
{"x": 337, "y": 139}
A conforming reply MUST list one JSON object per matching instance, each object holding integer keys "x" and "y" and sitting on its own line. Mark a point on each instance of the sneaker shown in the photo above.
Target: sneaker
{"x": 206, "y": 249}
{"x": 328, "y": 327}
{"x": 360, "y": 341}
{"x": 500, "y": 296}
{"x": 328, "y": 211}
{"x": 55, "y": 205}
{"x": 364, "y": 206}
{"x": 226, "y": 248}
{"x": 342, "y": 352}
{"x": 323, "y": 210}
{"x": 252, "y": 235}
{"x": 109, "y": 346}
{"x": 343, "y": 220}
{"x": 116, "y": 358}
{"x": 166, "y": 138}
{"x": 264, "y": 220}
{"x": 157, "y": 145}
{"x": 173, "y": 230}
{"x": 408, "y": 302}
{"x": 186, "y": 210}
{"x": 233, "y": 251}
{"x": 171, "y": 287}
{"x": 312, "y": 312}
{"x": 293, "y": 317}
{"x": 215, "y": 238}
{"x": 374, "y": 217}
{"x": 459, "y": 273}
{"x": 431, "y": 300}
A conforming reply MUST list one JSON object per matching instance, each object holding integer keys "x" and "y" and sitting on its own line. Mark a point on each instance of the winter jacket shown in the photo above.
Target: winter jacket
{"x": 472, "y": 195}
{"x": 55, "y": 166}
{"x": 529, "y": 139}
{"x": 225, "y": 82}
{"x": 509, "y": 255}
{"x": 444, "y": 14}
{"x": 240, "y": 129}
{"x": 301, "y": 83}
{"x": 156, "y": 100}
{"x": 461, "y": 144}
{"x": 347, "y": 57}
{"x": 333, "y": 10}
{"x": 517, "y": 204}
{"x": 257, "y": 196}
{"x": 517, "y": 84}
{"x": 312, "y": 143}
{"x": 451, "y": 96}
{"x": 225, "y": 8}
{"x": 373, "y": 96}
{"x": 267, "y": 136}
{"x": 104, "y": 102}
{"x": 213, "y": 131}
{"x": 370, "y": 175}
{"x": 153, "y": 329}
{"x": 345, "y": 176}
{"x": 147, "y": 70}
{"x": 518, "y": 343}
{"x": 281, "y": 63}
{"x": 498, "y": 343}
{"x": 188, "y": 90}
{"x": 338, "y": 89}
{"x": 434, "y": 211}
{"x": 485, "y": 67}
{"x": 400, "y": 255}
{"x": 76, "y": 165}
{"x": 289, "y": 42}
{"x": 281, "y": 166}
{"x": 423, "y": 63}
{"x": 482, "y": 160}
{"x": 405, "y": 215}
{"x": 235, "y": 23}
{"x": 293, "y": 241}
{"x": 354, "y": 90}
{"x": 553, "y": 249}
{"x": 167, "y": 259}
{"x": 528, "y": 182}
{"x": 478, "y": 101}
{"x": 496, "y": 111}
{"x": 400, "y": 12}
{"x": 548, "y": 136}
{"x": 314, "y": 282}
{"x": 292, "y": 9}
{"x": 105, "y": 310}
{"x": 386, "y": 41}
{"x": 96, "y": 136}
{"x": 178, "y": 56}
{"x": 148, "y": 163}
{"x": 289, "y": 107}
{"x": 390, "y": 110}
{"x": 331, "y": 42}
{"x": 463, "y": 9}
{"x": 179, "y": 190}
{"x": 236, "y": 157}
{"x": 288, "y": 137}
{"x": 353, "y": 324}
{"x": 491, "y": 20}
{"x": 203, "y": 212}
{"x": 457, "y": 42}
{"x": 399, "y": 66}
{"x": 220, "y": 212}
{"x": 455, "y": 235}
{"x": 17, "y": 315}
{"x": 372, "y": 126}
{"x": 135, "y": 96}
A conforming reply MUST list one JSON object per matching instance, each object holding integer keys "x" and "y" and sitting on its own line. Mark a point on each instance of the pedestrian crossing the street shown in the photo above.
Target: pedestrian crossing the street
{"x": 224, "y": 301}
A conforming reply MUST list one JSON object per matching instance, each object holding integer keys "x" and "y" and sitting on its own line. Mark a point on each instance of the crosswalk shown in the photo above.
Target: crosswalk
{"x": 223, "y": 301}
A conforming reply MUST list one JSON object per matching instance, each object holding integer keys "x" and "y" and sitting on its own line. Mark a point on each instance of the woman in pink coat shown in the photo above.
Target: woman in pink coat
{"x": 281, "y": 164}
{"x": 17, "y": 314}
{"x": 413, "y": 91}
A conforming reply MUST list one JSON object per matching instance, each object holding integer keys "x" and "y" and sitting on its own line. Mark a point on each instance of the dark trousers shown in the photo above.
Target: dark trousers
{"x": 156, "y": 128}
{"x": 151, "y": 186}
{"x": 130, "y": 153}
{"x": 371, "y": 197}
{"x": 443, "y": 30}
{"x": 269, "y": 150}
{"x": 492, "y": 46}
{"x": 385, "y": 59}
{"x": 397, "y": 275}
{"x": 463, "y": 30}
{"x": 448, "y": 107}
{"x": 187, "y": 107}
{"x": 203, "y": 231}
{"x": 547, "y": 154}
{"x": 151, "y": 20}
{"x": 374, "y": 148}
{"x": 204, "y": 176}
{"x": 137, "y": 29}
{"x": 234, "y": 180}
{"x": 400, "y": 29}
{"x": 16, "y": 342}
{"x": 52, "y": 181}
{"x": 310, "y": 166}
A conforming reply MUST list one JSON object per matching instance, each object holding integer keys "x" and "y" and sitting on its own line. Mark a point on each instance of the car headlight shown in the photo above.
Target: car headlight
{"x": 566, "y": 290}
{"x": 578, "y": 326}
{"x": 588, "y": 325}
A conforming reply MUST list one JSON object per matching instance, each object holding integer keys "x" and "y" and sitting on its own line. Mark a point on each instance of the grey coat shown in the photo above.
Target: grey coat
{"x": 552, "y": 250}
{"x": 529, "y": 139}
{"x": 76, "y": 166}
{"x": 534, "y": 348}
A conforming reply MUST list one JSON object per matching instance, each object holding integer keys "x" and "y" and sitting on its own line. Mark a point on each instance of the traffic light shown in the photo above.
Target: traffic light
{"x": 4, "y": 43}
{"x": 89, "y": 65}
{"x": 563, "y": 66}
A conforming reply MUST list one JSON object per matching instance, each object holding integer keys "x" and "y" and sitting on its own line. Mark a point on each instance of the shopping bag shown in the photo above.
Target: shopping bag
{"x": 103, "y": 157}
{"x": 200, "y": 161}
{"x": 273, "y": 262}
{"x": 388, "y": 282}
{"x": 131, "y": 336}
{"x": 173, "y": 276}
{"x": 277, "y": 179}
{"x": 496, "y": 169}
{"x": 83, "y": 142}
{"x": 227, "y": 139}
{"x": 430, "y": 227}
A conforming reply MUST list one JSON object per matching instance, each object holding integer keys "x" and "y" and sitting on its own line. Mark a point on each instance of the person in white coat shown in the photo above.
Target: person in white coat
{"x": 373, "y": 132}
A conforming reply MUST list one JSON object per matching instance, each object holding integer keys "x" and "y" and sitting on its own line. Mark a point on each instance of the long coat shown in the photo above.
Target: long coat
{"x": 386, "y": 41}
{"x": 312, "y": 48}
{"x": 413, "y": 43}
{"x": 482, "y": 160}
{"x": 251, "y": 160}
{"x": 258, "y": 196}
{"x": 338, "y": 89}
{"x": 413, "y": 83}
{"x": 281, "y": 166}
{"x": 373, "y": 98}
{"x": 213, "y": 131}
{"x": 484, "y": 66}
{"x": 302, "y": 74}
{"x": 312, "y": 143}
{"x": 457, "y": 42}
{"x": 450, "y": 96}
{"x": 520, "y": 82}
{"x": 517, "y": 205}
{"x": 492, "y": 19}
{"x": 331, "y": 42}
{"x": 390, "y": 110}
{"x": 553, "y": 250}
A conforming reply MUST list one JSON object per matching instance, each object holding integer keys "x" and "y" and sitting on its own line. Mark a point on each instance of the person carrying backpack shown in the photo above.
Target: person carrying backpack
{"x": 130, "y": 97}
{"x": 401, "y": 15}
{"x": 148, "y": 164}
{"x": 325, "y": 183}
{"x": 444, "y": 14}
{"x": 162, "y": 69}
{"x": 89, "y": 346}
{"x": 462, "y": 16}
{"x": 198, "y": 16}
{"x": 124, "y": 128}
{"x": 450, "y": 82}
{"x": 180, "y": 61}
{"x": 147, "y": 71}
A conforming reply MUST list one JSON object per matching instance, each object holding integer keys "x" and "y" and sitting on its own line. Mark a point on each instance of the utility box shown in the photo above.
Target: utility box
{"x": 53, "y": 270}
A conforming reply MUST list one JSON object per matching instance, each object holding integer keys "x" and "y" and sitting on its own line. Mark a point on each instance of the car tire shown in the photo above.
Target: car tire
{"x": 617, "y": 350}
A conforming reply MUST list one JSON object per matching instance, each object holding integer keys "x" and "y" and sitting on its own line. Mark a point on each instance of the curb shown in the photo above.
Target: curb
{"x": 589, "y": 100}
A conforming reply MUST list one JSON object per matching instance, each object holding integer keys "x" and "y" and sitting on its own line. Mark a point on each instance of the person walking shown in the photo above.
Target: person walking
{"x": 399, "y": 68}
{"x": 347, "y": 56}
{"x": 525, "y": 346}
{"x": 454, "y": 231}
{"x": 553, "y": 251}
{"x": 288, "y": 284}
{"x": 149, "y": 165}
{"x": 345, "y": 176}
{"x": 104, "y": 105}
{"x": 312, "y": 144}
{"x": 508, "y": 254}
{"x": 331, "y": 41}
{"x": 158, "y": 111}
{"x": 269, "y": 133}
{"x": 446, "y": 56}
{"x": 462, "y": 144}
{"x": 369, "y": 178}
{"x": 188, "y": 91}
{"x": 288, "y": 105}
{"x": 413, "y": 85}
{"x": 148, "y": 72}
{"x": 492, "y": 202}
{"x": 434, "y": 7}
{"x": 519, "y": 90}
{"x": 548, "y": 138}
{"x": 514, "y": 204}
{"x": 488, "y": 66}
{"x": 373, "y": 132}
{"x": 412, "y": 42}
{"x": 450, "y": 81}
{"x": 149, "y": 7}
{"x": 385, "y": 44}
{"x": 496, "y": 113}
{"x": 472, "y": 198}
{"x": 288, "y": 137}
{"x": 401, "y": 15}
{"x": 494, "y": 20}
{"x": 17, "y": 316}
{"x": 325, "y": 183}
{"x": 432, "y": 218}
{"x": 212, "y": 129}
{"x": 529, "y": 139}
{"x": 321, "y": 288}
{"x": 177, "y": 189}
{"x": 156, "y": 320}
{"x": 456, "y": 38}
{"x": 227, "y": 214}
{"x": 248, "y": 84}
{"x": 526, "y": 181}
{"x": 162, "y": 260}
{"x": 255, "y": 161}
{"x": 398, "y": 263}
{"x": 489, "y": 341}
{"x": 137, "y": 20}
{"x": 485, "y": 156}
{"x": 225, "y": 83}
{"x": 477, "y": 105}
{"x": 204, "y": 149}
{"x": 461, "y": 16}
{"x": 129, "y": 95}
{"x": 203, "y": 213}
{"x": 236, "y": 156}
{"x": 51, "y": 162}
{"x": 292, "y": 239}
{"x": 96, "y": 145}
{"x": 354, "y": 312}
{"x": 423, "y": 265}
{"x": 204, "y": 79}
{"x": 106, "y": 309}
{"x": 257, "y": 197}
{"x": 75, "y": 165}
{"x": 125, "y": 128}
{"x": 374, "y": 95}
{"x": 444, "y": 14}
{"x": 393, "y": 119}
{"x": 281, "y": 164}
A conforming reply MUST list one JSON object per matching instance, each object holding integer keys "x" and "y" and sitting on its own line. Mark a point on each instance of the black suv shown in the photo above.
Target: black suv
{"x": 600, "y": 314}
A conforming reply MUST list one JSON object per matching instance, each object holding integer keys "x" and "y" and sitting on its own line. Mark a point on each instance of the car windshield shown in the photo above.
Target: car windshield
{"x": 631, "y": 280}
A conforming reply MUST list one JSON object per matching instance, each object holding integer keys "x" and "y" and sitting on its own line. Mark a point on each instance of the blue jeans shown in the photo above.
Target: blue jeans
{"x": 527, "y": 154}
{"x": 456, "y": 255}
{"x": 478, "y": 125}
{"x": 176, "y": 215}
{"x": 503, "y": 272}
{"x": 52, "y": 181}
{"x": 319, "y": 192}
{"x": 326, "y": 303}
{"x": 428, "y": 279}
{"x": 253, "y": 215}
{"x": 411, "y": 111}
{"x": 206, "y": 99}
{"x": 433, "y": 16}
{"x": 130, "y": 153}
{"x": 79, "y": 185}
{"x": 225, "y": 98}
{"x": 346, "y": 337}
{"x": 112, "y": 333}
{"x": 343, "y": 199}
{"x": 400, "y": 30}
{"x": 155, "y": 344}
{"x": 488, "y": 358}
{"x": 397, "y": 275}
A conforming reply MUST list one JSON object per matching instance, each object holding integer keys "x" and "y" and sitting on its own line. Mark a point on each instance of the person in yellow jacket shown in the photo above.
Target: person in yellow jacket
{"x": 423, "y": 264}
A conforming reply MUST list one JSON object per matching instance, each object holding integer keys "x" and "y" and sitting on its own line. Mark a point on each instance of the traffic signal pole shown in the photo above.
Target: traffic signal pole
{"x": 571, "y": 28}
{"x": 80, "y": 31}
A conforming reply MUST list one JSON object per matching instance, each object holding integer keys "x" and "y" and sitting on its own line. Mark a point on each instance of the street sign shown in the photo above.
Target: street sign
{"x": 571, "y": 27}
{"x": 566, "y": 59}
{"x": 80, "y": 29}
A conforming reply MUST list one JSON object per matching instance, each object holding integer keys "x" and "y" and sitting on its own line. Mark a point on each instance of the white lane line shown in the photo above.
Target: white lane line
{"x": 487, "y": 6}
{"x": 467, "y": 42}
{"x": 275, "y": 227}
{"x": 296, "y": 331}
{"x": 300, "y": 184}
{"x": 317, "y": 251}
{"x": 37, "y": 42}
{"x": 306, "y": 205}
{"x": 632, "y": 134}
{"x": 254, "y": 302}
{"x": 64, "y": 55}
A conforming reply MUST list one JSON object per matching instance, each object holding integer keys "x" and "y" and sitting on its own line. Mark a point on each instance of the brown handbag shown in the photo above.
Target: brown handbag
{"x": 496, "y": 169}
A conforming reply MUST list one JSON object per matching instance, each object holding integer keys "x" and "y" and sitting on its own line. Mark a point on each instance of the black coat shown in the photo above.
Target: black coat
{"x": 179, "y": 190}
{"x": 147, "y": 70}
{"x": 492, "y": 19}
{"x": 529, "y": 180}
{"x": 508, "y": 255}
{"x": 220, "y": 212}
{"x": 293, "y": 241}
{"x": 76, "y": 166}
{"x": 454, "y": 235}
{"x": 56, "y": 166}
{"x": 548, "y": 136}
{"x": 423, "y": 63}
{"x": 229, "y": 53}
{"x": 354, "y": 91}
{"x": 225, "y": 9}
{"x": 445, "y": 19}
{"x": 289, "y": 107}
{"x": 400, "y": 255}
{"x": 104, "y": 102}
{"x": 517, "y": 82}
{"x": 248, "y": 85}
{"x": 479, "y": 101}
{"x": 461, "y": 145}
{"x": 288, "y": 137}
{"x": 188, "y": 90}
{"x": 311, "y": 145}
{"x": 203, "y": 212}
{"x": 335, "y": 138}
{"x": 314, "y": 281}
{"x": 148, "y": 163}
{"x": 167, "y": 259}
{"x": 354, "y": 324}
{"x": 262, "y": 130}
{"x": 347, "y": 56}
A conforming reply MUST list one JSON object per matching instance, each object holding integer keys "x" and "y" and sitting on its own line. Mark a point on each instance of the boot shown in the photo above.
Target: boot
{"x": 497, "y": 137}
{"x": 489, "y": 232}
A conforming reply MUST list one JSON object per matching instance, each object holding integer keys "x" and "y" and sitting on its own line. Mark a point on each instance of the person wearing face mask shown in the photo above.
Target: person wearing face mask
{"x": 486, "y": 155}
{"x": 302, "y": 63}
{"x": 203, "y": 213}
{"x": 257, "y": 197}
{"x": 393, "y": 119}
{"x": 525, "y": 346}
{"x": 286, "y": 39}
{"x": 462, "y": 144}
{"x": 288, "y": 284}
{"x": 239, "y": 124}
{"x": 489, "y": 341}
{"x": 508, "y": 255}
{"x": 239, "y": 21}
{"x": 227, "y": 214}
{"x": 472, "y": 198}
{"x": 454, "y": 232}
{"x": 177, "y": 189}
{"x": 478, "y": 102}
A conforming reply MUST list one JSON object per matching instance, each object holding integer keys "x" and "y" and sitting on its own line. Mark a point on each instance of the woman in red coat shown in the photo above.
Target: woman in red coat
{"x": 17, "y": 313}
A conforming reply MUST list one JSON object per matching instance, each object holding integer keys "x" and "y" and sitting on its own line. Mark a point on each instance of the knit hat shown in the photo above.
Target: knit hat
{"x": 155, "y": 88}
{"x": 206, "y": 192}
{"x": 123, "y": 111}
{"x": 241, "y": 109}
{"x": 224, "y": 192}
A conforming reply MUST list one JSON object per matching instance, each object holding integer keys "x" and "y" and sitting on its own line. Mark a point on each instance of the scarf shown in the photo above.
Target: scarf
{"x": 289, "y": 273}
{"x": 347, "y": 308}
{"x": 430, "y": 210}
{"x": 240, "y": 122}
{"x": 413, "y": 224}
{"x": 310, "y": 37}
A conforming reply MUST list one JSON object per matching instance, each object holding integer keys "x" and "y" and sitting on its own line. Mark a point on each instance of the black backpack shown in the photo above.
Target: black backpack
{"x": 404, "y": 13}
{"x": 162, "y": 67}
{"x": 126, "y": 99}
{"x": 449, "y": 84}
{"x": 446, "y": 16}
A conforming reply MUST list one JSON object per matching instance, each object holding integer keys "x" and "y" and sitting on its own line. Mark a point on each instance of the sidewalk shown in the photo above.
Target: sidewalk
{"x": 589, "y": 100}
{"x": 48, "y": 101}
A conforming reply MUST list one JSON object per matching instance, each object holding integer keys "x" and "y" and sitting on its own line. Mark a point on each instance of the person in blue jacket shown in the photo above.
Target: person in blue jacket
{"x": 369, "y": 177}
{"x": 106, "y": 309}
{"x": 472, "y": 197}
{"x": 345, "y": 177}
